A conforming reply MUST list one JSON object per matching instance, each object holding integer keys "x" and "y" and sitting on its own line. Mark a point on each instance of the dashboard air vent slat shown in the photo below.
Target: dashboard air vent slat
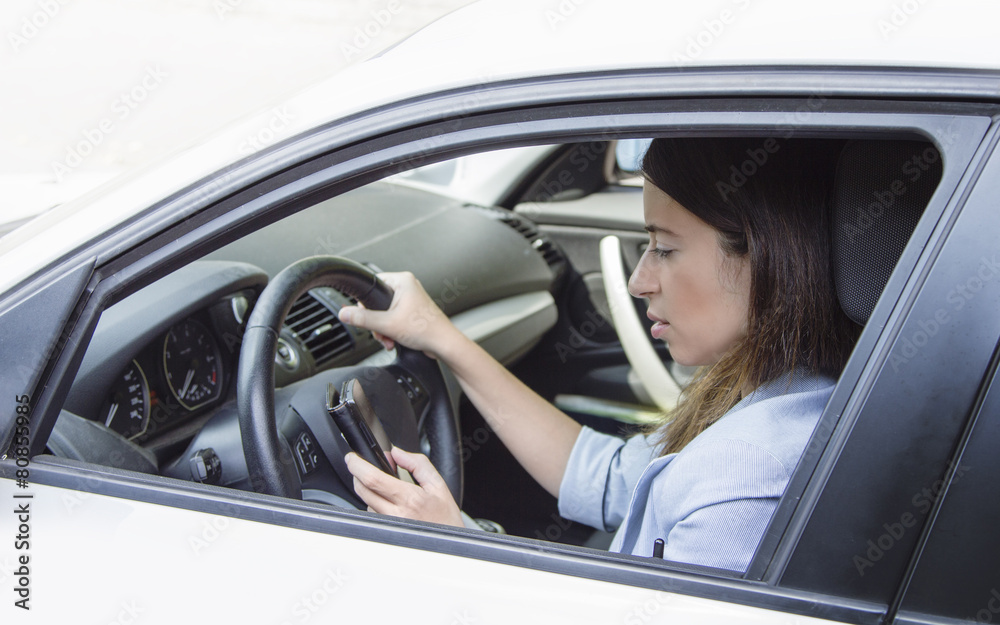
{"x": 318, "y": 328}
{"x": 546, "y": 247}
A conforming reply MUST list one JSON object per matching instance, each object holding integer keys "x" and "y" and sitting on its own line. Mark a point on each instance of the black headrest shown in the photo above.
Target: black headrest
{"x": 881, "y": 189}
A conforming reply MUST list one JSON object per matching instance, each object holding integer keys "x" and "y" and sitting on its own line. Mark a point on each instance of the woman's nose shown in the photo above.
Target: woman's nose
{"x": 641, "y": 283}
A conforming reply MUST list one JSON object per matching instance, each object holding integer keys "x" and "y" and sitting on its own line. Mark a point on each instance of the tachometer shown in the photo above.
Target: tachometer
{"x": 127, "y": 408}
{"x": 192, "y": 364}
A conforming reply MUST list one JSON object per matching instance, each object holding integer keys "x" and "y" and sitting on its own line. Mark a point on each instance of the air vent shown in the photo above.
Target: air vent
{"x": 552, "y": 254}
{"x": 545, "y": 247}
{"x": 318, "y": 328}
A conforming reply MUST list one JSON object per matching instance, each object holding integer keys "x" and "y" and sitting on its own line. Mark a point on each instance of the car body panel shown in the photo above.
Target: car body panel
{"x": 93, "y": 528}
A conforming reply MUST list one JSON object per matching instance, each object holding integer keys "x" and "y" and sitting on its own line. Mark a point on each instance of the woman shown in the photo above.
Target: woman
{"x": 737, "y": 276}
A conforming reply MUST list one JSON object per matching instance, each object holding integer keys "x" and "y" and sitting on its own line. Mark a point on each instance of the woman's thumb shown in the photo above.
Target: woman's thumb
{"x": 419, "y": 466}
{"x": 353, "y": 315}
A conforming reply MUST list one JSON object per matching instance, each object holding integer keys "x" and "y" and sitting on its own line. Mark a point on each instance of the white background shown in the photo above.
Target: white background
{"x": 67, "y": 66}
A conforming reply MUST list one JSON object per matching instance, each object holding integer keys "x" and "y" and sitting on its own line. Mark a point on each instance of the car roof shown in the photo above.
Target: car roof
{"x": 544, "y": 37}
{"x": 495, "y": 40}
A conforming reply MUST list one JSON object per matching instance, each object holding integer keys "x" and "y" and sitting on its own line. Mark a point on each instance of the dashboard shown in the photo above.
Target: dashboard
{"x": 162, "y": 362}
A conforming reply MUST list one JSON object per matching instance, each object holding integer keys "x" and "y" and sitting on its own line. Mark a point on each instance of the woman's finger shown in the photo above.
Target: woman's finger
{"x": 419, "y": 466}
{"x": 386, "y": 342}
{"x": 371, "y": 476}
{"x": 374, "y": 486}
{"x": 376, "y": 503}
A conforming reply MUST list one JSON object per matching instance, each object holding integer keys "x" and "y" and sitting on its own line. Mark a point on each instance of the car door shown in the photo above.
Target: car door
{"x": 153, "y": 544}
{"x": 954, "y": 577}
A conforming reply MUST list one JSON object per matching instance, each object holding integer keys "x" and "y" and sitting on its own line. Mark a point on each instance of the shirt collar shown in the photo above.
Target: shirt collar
{"x": 798, "y": 381}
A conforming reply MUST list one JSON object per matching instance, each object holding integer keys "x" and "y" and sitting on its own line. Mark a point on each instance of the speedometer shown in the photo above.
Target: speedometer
{"x": 127, "y": 409}
{"x": 192, "y": 365}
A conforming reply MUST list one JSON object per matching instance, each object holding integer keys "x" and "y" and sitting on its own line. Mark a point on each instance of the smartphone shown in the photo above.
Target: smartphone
{"x": 359, "y": 425}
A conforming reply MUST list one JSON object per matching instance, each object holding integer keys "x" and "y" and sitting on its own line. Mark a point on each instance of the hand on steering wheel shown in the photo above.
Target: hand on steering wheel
{"x": 412, "y": 319}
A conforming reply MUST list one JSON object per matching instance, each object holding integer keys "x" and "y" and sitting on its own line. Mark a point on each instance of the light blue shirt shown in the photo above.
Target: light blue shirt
{"x": 710, "y": 503}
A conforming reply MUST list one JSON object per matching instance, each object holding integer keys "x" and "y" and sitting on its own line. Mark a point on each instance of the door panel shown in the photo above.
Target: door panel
{"x": 957, "y": 575}
{"x": 228, "y": 569}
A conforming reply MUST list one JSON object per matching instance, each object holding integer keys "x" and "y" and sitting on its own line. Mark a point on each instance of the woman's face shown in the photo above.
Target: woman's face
{"x": 698, "y": 296}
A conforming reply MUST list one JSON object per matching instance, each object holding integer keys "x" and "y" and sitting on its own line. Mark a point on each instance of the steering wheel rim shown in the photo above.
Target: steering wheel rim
{"x": 268, "y": 457}
{"x": 654, "y": 376}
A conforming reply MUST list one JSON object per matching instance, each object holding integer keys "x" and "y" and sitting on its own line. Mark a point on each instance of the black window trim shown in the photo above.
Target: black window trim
{"x": 899, "y": 612}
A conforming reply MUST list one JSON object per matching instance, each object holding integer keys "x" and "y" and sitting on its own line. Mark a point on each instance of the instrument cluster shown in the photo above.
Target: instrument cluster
{"x": 181, "y": 374}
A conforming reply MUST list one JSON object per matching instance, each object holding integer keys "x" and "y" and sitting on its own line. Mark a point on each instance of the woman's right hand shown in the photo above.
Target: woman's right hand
{"x": 539, "y": 435}
{"x": 412, "y": 319}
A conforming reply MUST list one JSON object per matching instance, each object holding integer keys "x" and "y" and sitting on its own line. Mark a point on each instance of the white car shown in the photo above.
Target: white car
{"x": 162, "y": 464}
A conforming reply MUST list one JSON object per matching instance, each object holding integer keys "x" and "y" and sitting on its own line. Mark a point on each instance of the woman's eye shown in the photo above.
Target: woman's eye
{"x": 659, "y": 252}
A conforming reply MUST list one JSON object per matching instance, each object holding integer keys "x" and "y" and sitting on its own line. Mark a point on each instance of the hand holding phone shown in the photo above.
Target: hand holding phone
{"x": 359, "y": 425}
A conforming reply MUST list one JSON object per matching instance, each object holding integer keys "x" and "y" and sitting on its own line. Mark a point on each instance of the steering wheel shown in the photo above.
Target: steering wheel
{"x": 660, "y": 383}
{"x": 270, "y": 458}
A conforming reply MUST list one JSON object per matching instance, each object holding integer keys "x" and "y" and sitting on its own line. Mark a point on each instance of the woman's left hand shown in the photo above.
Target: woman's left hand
{"x": 427, "y": 500}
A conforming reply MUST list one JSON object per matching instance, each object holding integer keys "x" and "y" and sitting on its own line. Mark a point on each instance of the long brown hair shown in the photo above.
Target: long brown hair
{"x": 769, "y": 201}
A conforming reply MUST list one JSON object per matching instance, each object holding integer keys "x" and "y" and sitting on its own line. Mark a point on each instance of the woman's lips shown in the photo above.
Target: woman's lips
{"x": 659, "y": 326}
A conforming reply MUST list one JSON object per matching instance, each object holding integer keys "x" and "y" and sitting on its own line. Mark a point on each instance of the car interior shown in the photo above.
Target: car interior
{"x": 157, "y": 390}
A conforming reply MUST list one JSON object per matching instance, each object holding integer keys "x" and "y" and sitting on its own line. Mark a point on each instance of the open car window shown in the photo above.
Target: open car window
{"x": 161, "y": 369}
